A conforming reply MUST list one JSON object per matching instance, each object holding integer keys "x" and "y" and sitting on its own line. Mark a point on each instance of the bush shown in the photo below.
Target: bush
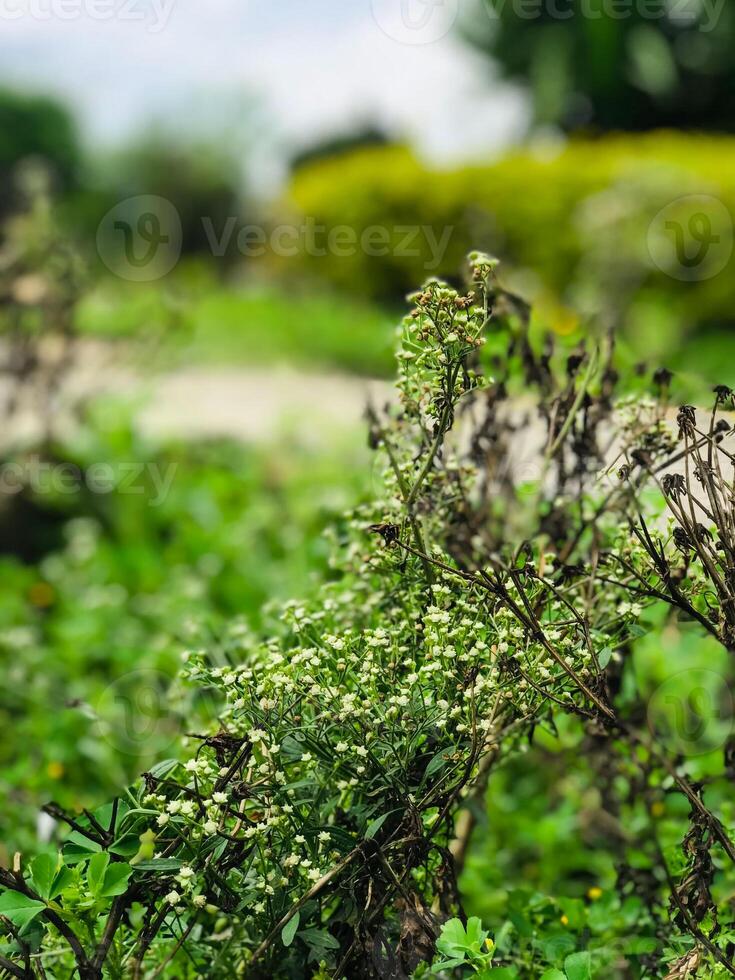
{"x": 33, "y": 126}
{"x": 573, "y": 223}
{"x": 589, "y": 66}
{"x": 318, "y": 825}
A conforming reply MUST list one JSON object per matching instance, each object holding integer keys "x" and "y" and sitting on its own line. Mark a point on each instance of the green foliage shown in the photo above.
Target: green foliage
{"x": 101, "y": 589}
{"x": 614, "y": 66}
{"x": 196, "y": 319}
{"x": 36, "y": 126}
{"x": 460, "y": 945}
{"x": 573, "y": 223}
{"x": 202, "y": 181}
{"x": 315, "y": 826}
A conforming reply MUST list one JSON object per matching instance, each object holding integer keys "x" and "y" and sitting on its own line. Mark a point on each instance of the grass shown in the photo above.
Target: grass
{"x": 196, "y": 319}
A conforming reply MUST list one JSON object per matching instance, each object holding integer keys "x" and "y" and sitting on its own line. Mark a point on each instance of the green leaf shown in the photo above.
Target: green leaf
{"x": 554, "y": 974}
{"x": 159, "y": 864}
{"x": 440, "y": 760}
{"x": 289, "y": 930}
{"x": 374, "y": 826}
{"x": 640, "y": 946}
{"x": 48, "y": 878}
{"x": 116, "y": 880}
{"x": 78, "y": 848}
{"x": 453, "y": 939}
{"x": 557, "y": 946}
{"x": 127, "y": 846}
{"x": 20, "y": 909}
{"x": 319, "y": 939}
{"x": 578, "y": 966}
{"x": 63, "y": 878}
{"x": 162, "y": 769}
{"x": 448, "y": 964}
{"x": 43, "y": 872}
{"x": 603, "y": 657}
{"x": 475, "y": 934}
{"x": 137, "y": 914}
{"x": 96, "y": 872}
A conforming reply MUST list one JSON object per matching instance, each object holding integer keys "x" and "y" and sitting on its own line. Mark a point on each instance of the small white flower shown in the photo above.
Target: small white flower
{"x": 163, "y": 819}
{"x": 210, "y": 827}
{"x": 200, "y": 901}
{"x": 173, "y": 897}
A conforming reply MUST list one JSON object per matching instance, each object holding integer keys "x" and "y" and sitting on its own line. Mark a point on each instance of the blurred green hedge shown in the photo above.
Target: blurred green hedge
{"x": 587, "y": 229}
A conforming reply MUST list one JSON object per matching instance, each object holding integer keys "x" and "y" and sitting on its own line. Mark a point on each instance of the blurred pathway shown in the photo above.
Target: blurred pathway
{"x": 252, "y": 404}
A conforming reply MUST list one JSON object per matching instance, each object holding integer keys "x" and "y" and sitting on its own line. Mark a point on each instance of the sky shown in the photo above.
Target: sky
{"x": 277, "y": 74}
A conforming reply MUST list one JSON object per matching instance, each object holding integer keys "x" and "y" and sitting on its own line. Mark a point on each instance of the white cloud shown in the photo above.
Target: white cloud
{"x": 315, "y": 66}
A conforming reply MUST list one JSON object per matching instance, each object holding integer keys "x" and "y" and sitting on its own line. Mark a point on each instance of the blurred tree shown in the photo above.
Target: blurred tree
{"x": 616, "y": 64}
{"x": 36, "y": 126}
{"x": 369, "y": 135}
{"x": 201, "y": 180}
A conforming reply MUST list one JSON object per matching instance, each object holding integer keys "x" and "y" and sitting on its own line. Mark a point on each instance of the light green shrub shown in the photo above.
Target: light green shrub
{"x": 572, "y": 224}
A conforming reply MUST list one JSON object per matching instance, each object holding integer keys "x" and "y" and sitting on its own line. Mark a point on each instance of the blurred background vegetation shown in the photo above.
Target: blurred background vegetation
{"x": 100, "y": 594}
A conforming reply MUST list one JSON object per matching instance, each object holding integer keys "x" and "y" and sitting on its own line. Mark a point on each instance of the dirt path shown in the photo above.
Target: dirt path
{"x": 252, "y": 404}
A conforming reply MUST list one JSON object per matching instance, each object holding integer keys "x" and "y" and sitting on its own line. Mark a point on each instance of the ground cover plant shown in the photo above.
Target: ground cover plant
{"x": 100, "y": 590}
{"x": 528, "y": 527}
{"x": 114, "y": 549}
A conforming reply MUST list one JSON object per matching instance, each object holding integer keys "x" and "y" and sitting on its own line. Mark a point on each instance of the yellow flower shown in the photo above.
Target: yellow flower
{"x": 55, "y": 770}
{"x": 594, "y": 893}
{"x": 564, "y": 920}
